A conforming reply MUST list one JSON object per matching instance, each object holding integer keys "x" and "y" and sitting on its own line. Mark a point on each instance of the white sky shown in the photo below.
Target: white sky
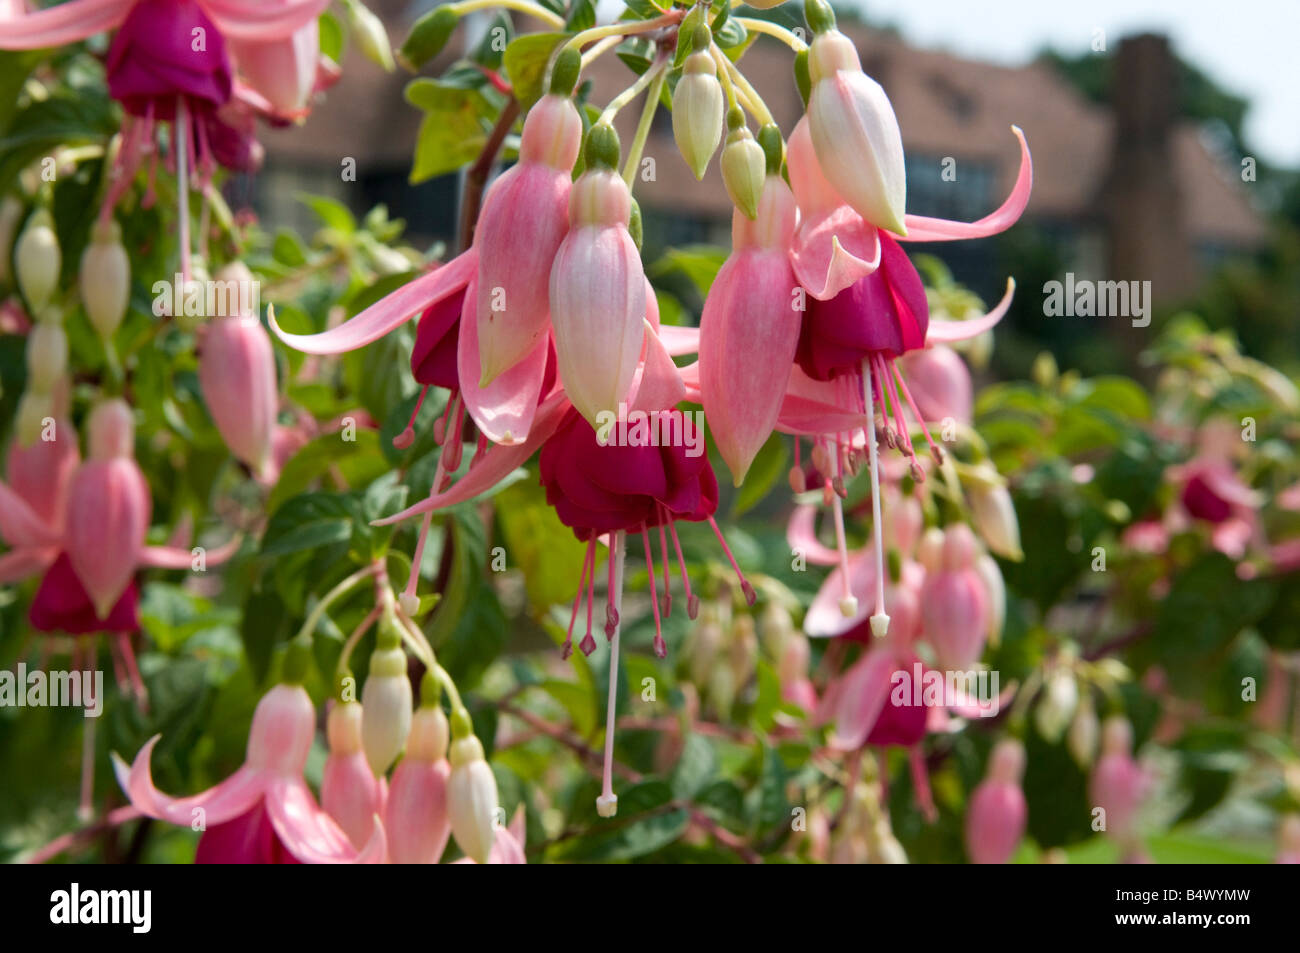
{"x": 1249, "y": 47}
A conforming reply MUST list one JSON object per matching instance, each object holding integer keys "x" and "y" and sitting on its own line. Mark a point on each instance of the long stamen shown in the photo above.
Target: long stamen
{"x": 661, "y": 650}
{"x": 611, "y": 611}
{"x": 935, "y": 450}
{"x": 897, "y": 406}
{"x": 879, "y": 621}
{"x": 607, "y": 803}
{"x": 588, "y": 564}
{"x": 411, "y": 601}
{"x": 663, "y": 557}
{"x": 750, "y": 595}
{"x": 848, "y": 602}
{"x": 798, "y": 482}
{"x": 407, "y": 437}
{"x": 132, "y": 670}
{"x": 452, "y": 448}
{"x": 86, "y": 807}
{"x": 692, "y": 600}
{"x": 181, "y": 144}
{"x": 588, "y": 644}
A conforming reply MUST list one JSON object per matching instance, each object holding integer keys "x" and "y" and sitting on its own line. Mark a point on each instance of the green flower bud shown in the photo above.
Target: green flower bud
{"x": 698, "y": 111}
{"x": 105, "y": 279}
{"x": 427, "y": 37}
{"x": 743, "y": 170}
{"x": 37, "y": 260}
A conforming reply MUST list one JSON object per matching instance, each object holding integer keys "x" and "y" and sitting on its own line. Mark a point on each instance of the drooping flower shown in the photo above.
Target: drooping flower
{"x": 416, "y": 820}
{"x": 269, "y": 786}
{"x": 1118, "y": 783}
{"x": 997, "y": 813}
{"x": 349, "y": 791}
{"x": 525, "y": 217}
{"x": 750, "y": 327}
{"x": 597, "y": 287}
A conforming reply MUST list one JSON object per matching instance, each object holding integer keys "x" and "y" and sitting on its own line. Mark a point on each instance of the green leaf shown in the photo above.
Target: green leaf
{"x": 525, "y": 64}
{"x": 331, "y": 37}
{"x": 332, "y": 212}
{"x": 288, "y": 249}
{"x": 695, "y": 767}
{"x": 307, "y": 521}
{"x": 764, "y": 473}
{"x": 453, "y": 132}
{"x": 265, "y": 624}
{"x": 582, "y": 16}
{"x": 495, "y": 40}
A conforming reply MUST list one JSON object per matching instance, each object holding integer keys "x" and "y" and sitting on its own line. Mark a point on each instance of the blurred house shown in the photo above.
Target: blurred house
{"x": 1126, "y": 192}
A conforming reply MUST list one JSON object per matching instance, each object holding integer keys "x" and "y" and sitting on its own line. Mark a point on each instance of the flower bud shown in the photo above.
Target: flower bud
{"x": 995, "y": 588}
{"x": 698, "y": 111}
{"x": 1060, "y": 698}
{"x": 855, "y": 133}
{"x": 386, "y": 700}
{"x": 417, "y": 821}
{"x": 108, "y": 508}
{"x": 372, "y": 39}
{"x": 37, "y": 260}
{"x": 284, "y": 725}
{"x": 105, "y": 279}
{"x": 744, "y": 167}
{"x": 47, "y": 357}
{"x": 995, "y": 516}
{"x": 472, "y": 800}
{"x": 349, "y": 791}
{"x": 1083, "y": 734}
{"x": 996, "y": 816}
{"x": 11, "y": 213}
{"x": 237, "y": 377}
{"x": 1118, "y": 783}
{"x": 34, "y": 409}
{"x": 954, "y": 602}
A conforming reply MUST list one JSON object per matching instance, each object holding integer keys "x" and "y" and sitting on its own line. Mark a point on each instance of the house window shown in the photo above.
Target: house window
{"x": 949, "y": 186}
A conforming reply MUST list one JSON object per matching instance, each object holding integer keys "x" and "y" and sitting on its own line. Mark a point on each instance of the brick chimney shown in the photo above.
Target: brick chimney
{"x": 1141, "y": 197}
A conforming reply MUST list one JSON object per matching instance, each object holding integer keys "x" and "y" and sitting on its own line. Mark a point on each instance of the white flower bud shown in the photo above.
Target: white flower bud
{"x": 472, "y": 799}
{"x": 371, "y": 37}
{"x": 698, "y": 112}
{"x": 1084, "y": 733}
{"x": 11, "y": 212}
{"x": 33, "y": 409}
{"x": 995, "y": 517}
{"x": 386, "y": 704}
{"x": 744, "y": 169}
{"x": 1056, "y": 708}
{"x": 47, "y": 357}
{"x": 37, "y": 260}
{"x": 105, "y": 279}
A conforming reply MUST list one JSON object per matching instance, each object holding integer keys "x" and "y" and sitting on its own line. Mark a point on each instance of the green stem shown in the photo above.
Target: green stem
{"x": 631, "y": 93}
{"x": 753, "y": 102}
{"x": 523, "y": 6}
{"x": 660, "y": 70}
{"x": 621, "y": 29}
{"x": 314, "y": 617}
{"x": 773, "y": 29}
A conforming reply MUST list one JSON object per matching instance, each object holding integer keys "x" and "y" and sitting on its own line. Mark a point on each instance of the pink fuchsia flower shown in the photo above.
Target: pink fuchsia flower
{"x": 1213, "y": 493}
{"x": 853, "y": 127}
{"x": 996, "y": 817}
{"x": 109, "y": 508}
{"x": 416, "y": 821}
{"x": 1118, "y": 783}
{"x": 524, "y": 219}
{"x": 349, "y": 791}
{"x": 750, "y": 328}
{"x": 954, "y": 601}
{"x": 237, "y": 375}
{"x": 285, "y": 71}
{"x": 833, "y": 246}
{"x": 269, "y": 786}
{"x": 597, "y": 287}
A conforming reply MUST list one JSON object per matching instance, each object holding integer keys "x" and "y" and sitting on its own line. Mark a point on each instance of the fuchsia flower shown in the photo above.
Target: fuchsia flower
{"x": 1118, "y": 783}
{"x": 264, "y": 812}
{"x": 750, "y": 328}
{"x": 349, "y": 791}
{"x": 598, "y": 286}
{"x": 997, "y": 813}
{"x": 417, "y": 822}
{"x": 524, "y": 218}
{"x": 237, "y": 374}
{"x": 168, "y": 62}
{"x": 954, "y": 600}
